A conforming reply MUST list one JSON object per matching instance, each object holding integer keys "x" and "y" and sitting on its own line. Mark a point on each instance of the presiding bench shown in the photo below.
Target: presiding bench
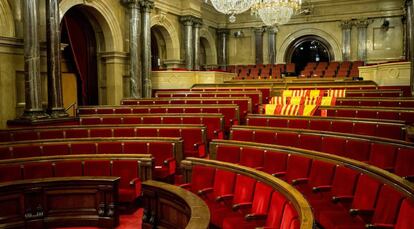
{"x": 61, "y": 201}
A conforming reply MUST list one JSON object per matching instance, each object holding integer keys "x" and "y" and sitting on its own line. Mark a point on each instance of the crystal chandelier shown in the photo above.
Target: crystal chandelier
{"x": 232, "y": 7}
{"x": 276, "y": 12}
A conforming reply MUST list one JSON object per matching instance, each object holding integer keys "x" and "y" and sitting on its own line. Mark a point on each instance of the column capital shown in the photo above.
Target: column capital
{"x": 272, "y": 29}
{"x": 198, "y": 22}
{"x": 189, "y": 20}
{"x": 131, "y": 3}
{"x": 223, "y": 31}
{"x": 258, "y": 30}
{"x": 146, "y": 6}
{"x": 362, "y": 23}
{"x": 408, "y": 3}
{"x": 346, "y": 24}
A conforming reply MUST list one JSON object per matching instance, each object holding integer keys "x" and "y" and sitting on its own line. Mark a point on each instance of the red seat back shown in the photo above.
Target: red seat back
{"x": 366, "y": 193}
{"x": 289, "y": 215}
{"x": 277, "y": 205}
{"x": 251, "y": 157}
{"x": 344, "y": 182}
{"x": 261, "y": 198}
{"x": 97, "y": 168}
{"x": 321, "y": 173}
{"x": 386, "y": 209}
{"x": 404, "y": 162}
{"x": 297, "y": 167}
{"x": 223, "y": 182}
{"x": 228, "y": 153}
{"x": 244, "y": 188}
{"x": 405, "y": 216}
{"x": 68, "y": 168}
{"x": 274, "y": 162}
{"x": 201, "y": 177}
{"x": 37, "y": 170}
{"x": 10, "y": 173}
{"x": 127, "y": 170}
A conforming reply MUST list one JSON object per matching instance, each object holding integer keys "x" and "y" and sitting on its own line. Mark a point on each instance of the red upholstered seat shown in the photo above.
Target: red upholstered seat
{"x": 404, "y": 163}
{"x": 51, "y": 134}
{"x": 228, "y": 153}
{"x": 165, "y": 163}
{"x": 83, "y": 148}
{"x": 27, "y": 151}
{"x": 298, "y": 123}
{"x": 222, "y": 206}
{"x": 25, "y": 135}
{"x": 130, "y": 184}
{"x": 364, "y": 199}
{"x": 100, "y": 132}
{"x": 258, "y": 208}
{"x": 251, "y": 157}
{"x": 357, "y": 149}
{"x": 194, "y": 144}
{"x": 136, "y": 147}
{"x": 383, "y": 156}
{"x": 310, "y": 142}
{"x": 386, "y": 209}
{"x": 333, "y": 145}
{"x": 321, "y": 175}
{"x": 223, "y": 185}
{"x": 297, "y": 168}
{"x": 343, "y": 186}
{"x": 242, "y": 135}
{"x": 201, "y": 177}
{"x": 56, "y": 149}
{"x": 287, "y": 139}
{"x": 405, "y": 216}
{"x": 274, "y": 162}
{"x": 267, "y": 137}
{"x": 97, "y": 168}
{"x": 124, "y": 132}
{"x": 77, "y": 133}
{"x": 68, "y": 168}
{"x": 344, "y": 127}
{"x": 276, "y": 209}
{"x": 109, "y": 148}
{"x": 37, "y": 170}
{"x": 10, "y": 173}
{"x": 289, "y": 218}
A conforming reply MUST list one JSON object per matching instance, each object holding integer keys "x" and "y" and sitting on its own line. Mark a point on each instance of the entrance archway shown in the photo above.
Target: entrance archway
{"x": 159, "y": 35}
{"x": 307, "y": 49}
{"x": 79, "y": 34}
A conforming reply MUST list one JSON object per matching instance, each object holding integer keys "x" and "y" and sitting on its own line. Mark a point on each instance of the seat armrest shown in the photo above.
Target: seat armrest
{"x": 364, "y": 212}
{"x": 219, "y": 134}
{"x": 224, "y": 197}
{"x": 337, "y": 199}
{"x": 322, "y": 188}
{"x": 379, "y": 226}
{"x": 168, "y": 160}
{"x": 134, "y": 182}
{"x": 300, "y": 181}
{"x": 242, "y": 205}
{"x": 200, "y": 147}
{"x": 259, "y": 168}
{"x": 279, "y": 174}
{"x": 253, "y": 216}
{"x": 186, "y": 185}
{"x": 205, "y": 191}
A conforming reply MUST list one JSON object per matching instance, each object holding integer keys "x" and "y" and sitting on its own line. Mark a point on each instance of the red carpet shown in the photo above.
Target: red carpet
{"x": 132, "y": 221}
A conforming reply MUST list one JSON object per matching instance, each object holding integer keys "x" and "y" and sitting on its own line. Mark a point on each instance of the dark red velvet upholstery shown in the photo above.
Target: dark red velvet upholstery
{"x": 321, "y": 174}
{"x": 274, "y": 162}
{"x": 383, "y": 156}
{"x": 386, "y": 209}
{"x": 405, "y": 216}
{"x": 201, "y": 177}
{"x": 55, "y": 149}
{"x": 10, "y": 173}
{"x": 252, "y": 158}
{"x": 289, "y": 217}
{"x": 165, "y": 163}
{"x": 109, "y": 148}
{"x": 228, "y": 154}
{"x": 37, "y": 170}
{"x": 68, "y": 168}
{"x": 83, "y": 148}
{"x": 404, "y": 163}
{"x": 97, "y": 168}
{"x": 297, "y": 168}
{"x": 20, "y": 151}
{"x": 130, "y": 184}
{"x": 277, "y": 206}
{"x": 357, "y": 149}
{"x": 223, "y": 185}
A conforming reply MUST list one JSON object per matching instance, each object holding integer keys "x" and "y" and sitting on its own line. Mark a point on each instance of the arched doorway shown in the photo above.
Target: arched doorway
{"x": 308, "y": 49}
{"x": 158, "y": 47}
{"x": 81, "y": 53}
{"x": 202, "y": 55}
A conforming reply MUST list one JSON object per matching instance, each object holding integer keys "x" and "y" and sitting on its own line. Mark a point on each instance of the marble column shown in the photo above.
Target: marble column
{"x": 346, "y": 40}
{"x": 258, "y": 34}
{"x": 146, "y": 7}
{"x": 410, "y": 38}
{"x": 188, "y": 22}
{"x": 362, "y": 26}
{"x": 196, "y": 30}
{"x": 134, "y": 47}
{"x": 409, "y": 31}
{"x": 33, "y": 81}
{"x": 272, "y": 32}
{"x": 222, "y": 48}
{"x": 54, "y": 76}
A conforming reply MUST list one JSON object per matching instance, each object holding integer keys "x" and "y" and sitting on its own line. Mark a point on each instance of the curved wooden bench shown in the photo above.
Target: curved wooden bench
{"x": 131, "y": 168}
{"x": 213, "y": 122}
{"x": 194, "y": 136}
{"x": 374, "y": 112}
{"x": 389, "y": 154}
{"x": 165, "y": 151}
{"x": 320, "y": 176}
{"x": 393, "y": 129}
{"x": 244, "y": 103}
{"x": 56, "y": 202}
{"x": 406, "y": 102}
{"x": 299, "y": 205}
{"x": 169, "y": 206}
{"x": 230, "y": 111}
{"x": 256, "y": 96}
